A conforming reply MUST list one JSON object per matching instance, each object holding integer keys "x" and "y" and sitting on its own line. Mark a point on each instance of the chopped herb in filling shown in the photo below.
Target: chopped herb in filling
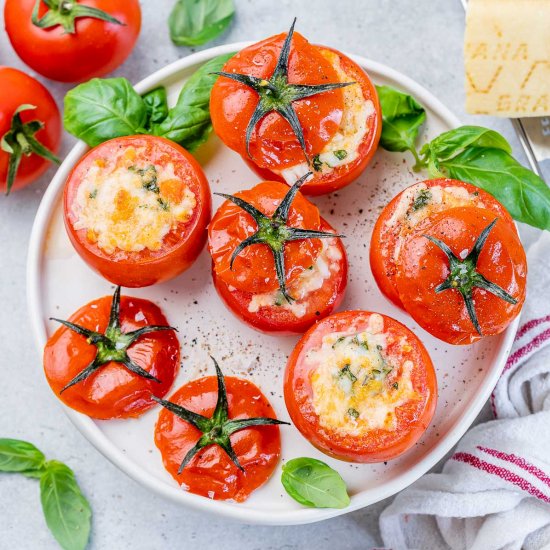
{"x": 317, "y": 163}
{"x": 346, "y": 371}
{"x": 422, "y": 199}
{"x": 148, "y": 177}
{"x": 341, "y": 154}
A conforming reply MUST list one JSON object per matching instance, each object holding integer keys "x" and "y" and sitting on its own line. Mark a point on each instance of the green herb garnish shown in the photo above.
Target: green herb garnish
{"x": 315, "y": 484}
{"x": 473, "y": 154}
{"x": 66, "y": 510}
{"x": 346, "y": 371}
{"x": 196, "y": 22}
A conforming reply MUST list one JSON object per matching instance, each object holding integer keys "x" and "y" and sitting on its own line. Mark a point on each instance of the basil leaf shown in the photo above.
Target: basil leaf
{"x": 451, "y": 143}
{"x": 102, "y": 109}
{"x": 182, "y": 125}
{"x": 402, "y": 117}
{"x": 196, "y": 91}
{"x": 313, "y": 483}
{"x": 156, "y": 104}
{"x": 523, "y": 193}
{"x": 195, "y": 22}
{"x": 20, "y": 456}
{"x": 188, "y": 122}
{"x": 67, "y": 512}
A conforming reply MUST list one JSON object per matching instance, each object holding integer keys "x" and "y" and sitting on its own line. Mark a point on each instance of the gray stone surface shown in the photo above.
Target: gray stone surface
{"x": 423, "y": 39}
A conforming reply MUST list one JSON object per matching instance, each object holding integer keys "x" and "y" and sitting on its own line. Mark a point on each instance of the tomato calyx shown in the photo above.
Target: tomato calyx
{"x": 275, "y": 233}
{"x": 216, "y": 429}
{"x": 65, "y": 12}
{"x": 20, "y": 140}
{"x": 112, "y": 346}
{"x": 464, "y": 276}
{"x": 277, "y": 94}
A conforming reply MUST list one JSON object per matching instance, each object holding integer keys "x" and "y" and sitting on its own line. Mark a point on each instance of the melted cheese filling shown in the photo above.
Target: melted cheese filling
{"x": 343, "y": 148}
{"x": 356, "y": 386}
{"x": 419, "y": 202}
{"x": 309, "y": 281}
{"x": 127, "y": 204}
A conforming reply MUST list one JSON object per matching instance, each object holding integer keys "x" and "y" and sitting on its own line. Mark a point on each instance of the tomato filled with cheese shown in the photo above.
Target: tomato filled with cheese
{"x": 360, "y": 386}
{"x": 136, "y": 209}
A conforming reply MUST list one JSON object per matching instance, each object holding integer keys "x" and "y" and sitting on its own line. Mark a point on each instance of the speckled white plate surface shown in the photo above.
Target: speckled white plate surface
{"x": 59, "y": 282}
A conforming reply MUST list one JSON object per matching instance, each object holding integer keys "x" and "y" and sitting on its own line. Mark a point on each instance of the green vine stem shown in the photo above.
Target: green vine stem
{"x": 65, "y": 12}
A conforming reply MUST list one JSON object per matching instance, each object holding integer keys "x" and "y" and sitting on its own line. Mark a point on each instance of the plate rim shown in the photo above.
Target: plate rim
{"x": 89, "y": 429}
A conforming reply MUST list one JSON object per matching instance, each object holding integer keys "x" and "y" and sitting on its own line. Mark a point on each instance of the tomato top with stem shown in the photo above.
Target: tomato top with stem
{"x": 30, "y": 129}
{"x": 277, "y": 102}
{"x": 281, "y": 239}
{"x": 463, "y": 275}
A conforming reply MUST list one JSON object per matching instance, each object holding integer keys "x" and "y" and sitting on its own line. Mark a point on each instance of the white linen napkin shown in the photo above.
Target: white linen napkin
{"x": 494, "y": 491}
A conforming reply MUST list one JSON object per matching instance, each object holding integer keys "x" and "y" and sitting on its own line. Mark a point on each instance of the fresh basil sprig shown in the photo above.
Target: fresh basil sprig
{"x": 524, "y": 194}
{"x": 66, "y": 510}
{"x": 314, "y": 483}
{"x": 103, "y": 109}
{"x": 195, "y": 22}
{"x": 402, "y": 117}
{"x": 473, "y": 154}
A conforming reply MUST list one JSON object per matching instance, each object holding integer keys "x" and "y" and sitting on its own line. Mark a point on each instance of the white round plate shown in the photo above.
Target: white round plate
{"x": 59, "y": 282}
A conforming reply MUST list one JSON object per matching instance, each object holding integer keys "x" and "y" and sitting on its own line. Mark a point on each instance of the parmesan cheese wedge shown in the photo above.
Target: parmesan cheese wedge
{"x": 507, "y": 57}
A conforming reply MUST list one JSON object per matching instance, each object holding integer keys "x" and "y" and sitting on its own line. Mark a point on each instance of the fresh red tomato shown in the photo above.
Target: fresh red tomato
{"x": 136, "y": 209}
{"x": 404, "y": 214}
{"x": 101, "y": 369}
{"x": 254, "y": 268}
{"x": 197, "y": 456}
{"x": 30, "y": 126}
{"x": 340, "y": 127}
{"x": 328, "y": 278}
{"x": 360, "y": 386}
{"x": 73, "y": 40}
{"x": 469, "y": 284}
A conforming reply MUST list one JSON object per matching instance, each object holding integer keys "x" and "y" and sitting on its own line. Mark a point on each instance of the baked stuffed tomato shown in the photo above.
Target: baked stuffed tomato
{"x": 288, "y": 107}
{"x": 360, "y": 386}
{"x": 136, "y": 209}
{"x": 276, "y": 263}
{"x": 463, "y": 276}
{"x": 404, "y": 215}
{"x": 219, "y": 437}
{"x": 111, "y": 356}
